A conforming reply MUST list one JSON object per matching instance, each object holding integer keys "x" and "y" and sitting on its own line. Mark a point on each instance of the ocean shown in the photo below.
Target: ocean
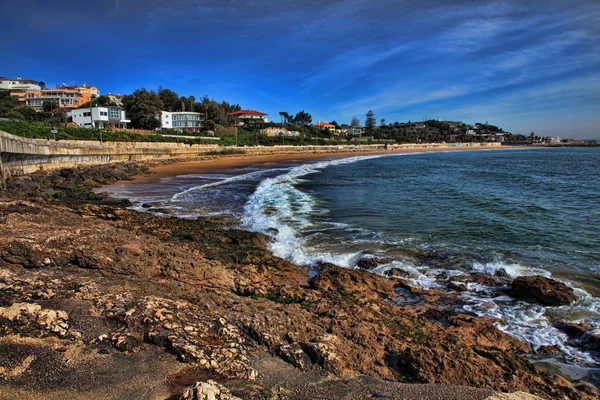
{"x": 433, "y": 215}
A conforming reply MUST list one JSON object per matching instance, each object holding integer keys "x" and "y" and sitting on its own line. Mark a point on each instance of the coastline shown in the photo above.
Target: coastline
{"x": 193, "y": 300}
{"x": 225, "y": 162}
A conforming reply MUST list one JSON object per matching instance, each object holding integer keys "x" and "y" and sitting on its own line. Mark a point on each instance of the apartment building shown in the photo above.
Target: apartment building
{"x": 100, "y": 117}
{"x": 183, "y": 120}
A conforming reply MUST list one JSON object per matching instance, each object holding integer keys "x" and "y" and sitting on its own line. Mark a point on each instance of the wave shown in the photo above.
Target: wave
{"x": 224, "y": 179}
{"x": 283, "y": 212}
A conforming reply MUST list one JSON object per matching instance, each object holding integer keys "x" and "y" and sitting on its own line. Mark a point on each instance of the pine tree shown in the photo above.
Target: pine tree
{"x": 370, "y": 123}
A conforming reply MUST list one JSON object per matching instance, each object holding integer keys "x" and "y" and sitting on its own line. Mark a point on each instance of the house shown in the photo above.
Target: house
{"x": 88, "y": 93}
{"x": 62, "y": 97}
{"x": 19, "y": 84}
{"x": 325, "y": 125}
{"x": 99, "y": 117}
{"x": 553, "y": 139}
{"x": 354, "y": 131}
{"x": 115, "y": 98}
{"x": 275, "y": 131}
{"x": 498, "y": 137}
{"x": 182, "y": 120}
{"x": 471, "y": 132}
{"x": 248, "y": 115}
{"x": 278, "y": 131}
{"x": 57, "y": 98}
{"x": 22, "y": 96}
{"x": 419, "y": 126}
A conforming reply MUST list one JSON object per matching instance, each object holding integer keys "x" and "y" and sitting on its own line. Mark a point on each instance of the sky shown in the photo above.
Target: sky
{"x": 522, "y": 65}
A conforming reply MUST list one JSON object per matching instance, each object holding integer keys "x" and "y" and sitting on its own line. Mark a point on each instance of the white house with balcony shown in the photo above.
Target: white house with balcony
{"x": 99, "y": 117}
{"x": 181, "y": 120}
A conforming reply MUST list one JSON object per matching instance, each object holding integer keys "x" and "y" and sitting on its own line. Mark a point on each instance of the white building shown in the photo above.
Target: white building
{"x": 19, "y": 84}
{"x": 183, "y": 120}
{"x": 99, "y": 117}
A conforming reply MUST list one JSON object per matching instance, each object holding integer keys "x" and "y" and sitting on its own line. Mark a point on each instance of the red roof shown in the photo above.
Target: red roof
{"x": 323, "y": 124}
{"x": 247, "y": 112}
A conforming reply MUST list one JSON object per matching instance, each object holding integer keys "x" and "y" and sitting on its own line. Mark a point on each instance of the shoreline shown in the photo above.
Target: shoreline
{"x": 227, "y": 162}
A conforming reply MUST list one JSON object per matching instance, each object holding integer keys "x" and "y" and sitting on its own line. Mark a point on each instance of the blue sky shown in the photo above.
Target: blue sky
{"x": 523, "y": 65}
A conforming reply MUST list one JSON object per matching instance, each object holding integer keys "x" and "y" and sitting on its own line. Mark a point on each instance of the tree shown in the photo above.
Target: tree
{"x": 287, "y": 118}
{"x": 8, "y": 103}
{"x": 303, "y": 118}
{"x": 334, "y": 123}
{"x": 382, "y": 122}
{"x": 370, "y": 123}
{"x": 355, "y": 122}
{"x": 143, "y": 108}
{"x": 170, "y": 99}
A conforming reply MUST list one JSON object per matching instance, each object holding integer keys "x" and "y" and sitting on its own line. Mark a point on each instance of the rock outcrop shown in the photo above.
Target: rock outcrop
{"x": 542, "y": 290}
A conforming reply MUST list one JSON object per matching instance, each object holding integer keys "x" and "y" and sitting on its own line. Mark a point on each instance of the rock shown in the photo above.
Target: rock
{"x": 209, "y": 390}
{"x": 459, "y": 287}
{"x": 31, "y": 320}
{"x": 482, "y": 279}
{"x": 539, "y": 289}
{"x": 501, "y": 273}
{"x": 397, "y": 272}
{"x": 372, "y": 262}
{"x": 295, "y": 355}
{"x": 513, "y": 396}
{"x": 347, "y": 281}
{"x": 554, "y": 349}
{"x": 591, "y": 339}
{"x": 383, "y": 395}
{"x": 573, "y": 329}
{"x": 323, "y": 352}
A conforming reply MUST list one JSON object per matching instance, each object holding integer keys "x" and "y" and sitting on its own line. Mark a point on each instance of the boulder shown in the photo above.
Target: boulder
{"x": 349, "y": 281}
{"x": 370, "y": 263}
{"x": 591, "y": 339}
{"x": 538, "y": 289}
{"x": 573, "y": 329}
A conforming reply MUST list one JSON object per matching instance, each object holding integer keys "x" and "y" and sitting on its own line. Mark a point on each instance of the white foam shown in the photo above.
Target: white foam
{"x": 513, "y": 270}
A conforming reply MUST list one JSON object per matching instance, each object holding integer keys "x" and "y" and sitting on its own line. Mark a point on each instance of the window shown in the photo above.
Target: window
{"x": 115, "y": 113}
{"x": 87, "y": 114}
{"x": 104, "y": 113}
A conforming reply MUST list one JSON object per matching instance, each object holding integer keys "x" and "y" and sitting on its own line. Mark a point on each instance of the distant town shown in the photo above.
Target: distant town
{"x": 165, "y": 113}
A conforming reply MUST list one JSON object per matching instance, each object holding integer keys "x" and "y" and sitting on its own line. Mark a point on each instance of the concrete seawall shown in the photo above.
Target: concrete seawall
{"x": 22, "y": 155}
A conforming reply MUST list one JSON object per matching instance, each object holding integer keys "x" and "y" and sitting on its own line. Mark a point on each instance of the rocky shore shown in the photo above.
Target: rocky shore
{"x": 97, "y": 301}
